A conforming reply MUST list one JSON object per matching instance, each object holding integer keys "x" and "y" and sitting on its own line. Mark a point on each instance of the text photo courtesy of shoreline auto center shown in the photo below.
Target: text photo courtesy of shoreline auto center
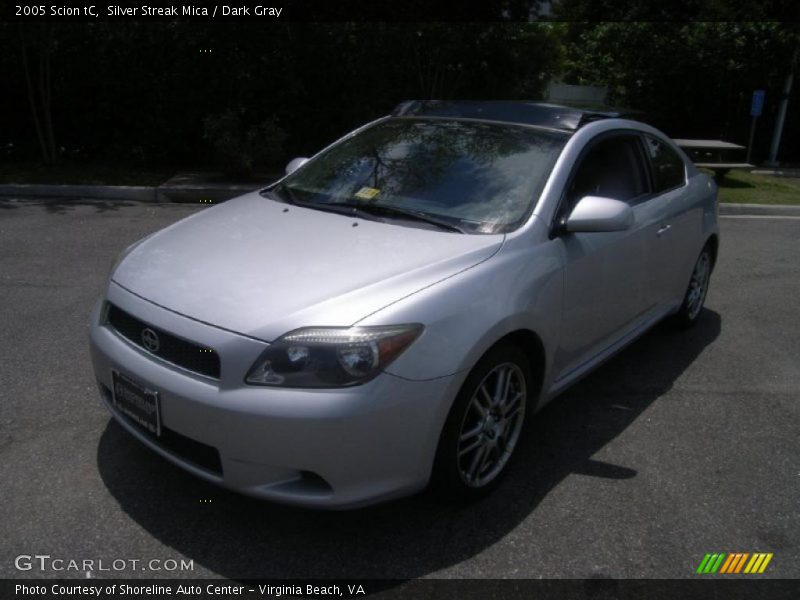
{"x": 400, "y": 300}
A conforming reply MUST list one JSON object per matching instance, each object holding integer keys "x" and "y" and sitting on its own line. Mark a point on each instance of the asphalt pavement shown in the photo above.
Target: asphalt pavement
{"x": 685, "y": 444}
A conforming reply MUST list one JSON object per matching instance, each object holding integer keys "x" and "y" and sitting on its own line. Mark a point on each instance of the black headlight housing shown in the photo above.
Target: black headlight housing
{"x": 327, "y": 357}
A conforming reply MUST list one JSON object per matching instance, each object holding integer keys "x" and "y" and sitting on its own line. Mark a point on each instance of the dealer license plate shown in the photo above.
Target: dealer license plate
{"x": 137, "y": 402}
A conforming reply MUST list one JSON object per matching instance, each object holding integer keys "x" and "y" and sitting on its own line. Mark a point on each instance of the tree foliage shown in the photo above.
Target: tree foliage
{"x": 152, "y": 93}
{"x": 142, "y": 92}
{"x": 691, "y": 79}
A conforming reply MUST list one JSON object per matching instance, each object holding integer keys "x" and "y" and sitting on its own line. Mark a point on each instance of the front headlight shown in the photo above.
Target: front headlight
{"x": 323, "y": 357}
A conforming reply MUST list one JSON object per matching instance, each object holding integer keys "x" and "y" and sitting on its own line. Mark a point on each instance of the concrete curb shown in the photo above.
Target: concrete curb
{"x": 202, "y": 193}
{"x": 139, "y": 193}
{"x": 774, "y": 210}
{"x": 218, "y": 192}
{"x": 793, "y": 173}
{"x": 136, "y": 193}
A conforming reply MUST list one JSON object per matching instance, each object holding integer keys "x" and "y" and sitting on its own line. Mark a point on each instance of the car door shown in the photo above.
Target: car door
{"x": 604, "y": 273}
{"x": 673, "y": 245}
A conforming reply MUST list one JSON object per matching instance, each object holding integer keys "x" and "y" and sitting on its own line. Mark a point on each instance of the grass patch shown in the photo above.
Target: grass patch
{"x": 81, "y": 174}
{"x": 742, "y": 187}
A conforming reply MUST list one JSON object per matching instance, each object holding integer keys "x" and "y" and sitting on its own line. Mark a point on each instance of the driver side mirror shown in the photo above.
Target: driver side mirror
{"x": 295, "y": 164}
{"x": 594, "y": 214}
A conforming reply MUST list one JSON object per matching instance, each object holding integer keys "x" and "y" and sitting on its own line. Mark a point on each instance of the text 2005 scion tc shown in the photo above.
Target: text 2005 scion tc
{"x": 394, "y": 310}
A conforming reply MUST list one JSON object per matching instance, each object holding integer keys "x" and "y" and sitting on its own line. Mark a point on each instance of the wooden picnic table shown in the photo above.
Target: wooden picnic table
{"x": 714, "y": 155}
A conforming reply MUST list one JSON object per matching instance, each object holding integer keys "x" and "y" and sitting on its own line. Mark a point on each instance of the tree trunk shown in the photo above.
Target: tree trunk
{"x": 39, "y": 97}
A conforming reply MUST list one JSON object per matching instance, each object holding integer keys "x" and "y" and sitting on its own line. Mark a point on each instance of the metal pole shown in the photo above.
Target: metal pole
{"x": 776, "y": 135}
{"x": 750, "y": 143}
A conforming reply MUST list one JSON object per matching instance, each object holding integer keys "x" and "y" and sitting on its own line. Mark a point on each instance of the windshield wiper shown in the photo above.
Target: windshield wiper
{"x": 362, "y": 209}
{"x": 284, "y": 195}
{"x": 383, "y": 209}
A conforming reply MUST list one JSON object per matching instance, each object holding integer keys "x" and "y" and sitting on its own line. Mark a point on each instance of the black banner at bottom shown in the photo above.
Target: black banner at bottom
{"x": 440, "y": 589}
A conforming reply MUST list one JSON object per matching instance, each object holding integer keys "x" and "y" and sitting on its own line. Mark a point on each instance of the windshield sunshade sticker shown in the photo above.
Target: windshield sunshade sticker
{"x": 367, "y": 193}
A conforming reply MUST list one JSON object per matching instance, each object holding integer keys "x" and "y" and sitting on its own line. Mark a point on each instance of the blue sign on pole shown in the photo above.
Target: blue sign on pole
{"x": 758, "y": 103}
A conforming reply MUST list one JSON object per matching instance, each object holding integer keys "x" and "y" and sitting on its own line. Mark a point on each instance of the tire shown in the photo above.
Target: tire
{"x": 695, "y": 296}
{"x": 467, "y": 468}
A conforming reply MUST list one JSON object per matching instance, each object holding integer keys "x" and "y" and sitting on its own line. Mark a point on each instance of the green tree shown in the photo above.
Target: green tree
{"x": 147, "y": 93}
{"x": 688, "y": 78}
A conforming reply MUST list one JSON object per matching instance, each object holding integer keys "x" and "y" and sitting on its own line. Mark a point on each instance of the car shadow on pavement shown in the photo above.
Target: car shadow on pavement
{"x": 238, "y": 537}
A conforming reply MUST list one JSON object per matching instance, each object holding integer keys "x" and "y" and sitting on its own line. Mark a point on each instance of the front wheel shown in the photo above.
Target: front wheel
{"x": 695, "y": 295}
{"x": 484, "y": 425}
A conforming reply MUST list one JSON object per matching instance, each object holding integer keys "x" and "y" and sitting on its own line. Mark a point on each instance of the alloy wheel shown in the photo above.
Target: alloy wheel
{"x": 698, "y": 285}
{"x": 491, "y": 425}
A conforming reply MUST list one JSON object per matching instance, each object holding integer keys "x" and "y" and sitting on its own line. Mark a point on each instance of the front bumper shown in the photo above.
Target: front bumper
{"x": 334, "y": 448}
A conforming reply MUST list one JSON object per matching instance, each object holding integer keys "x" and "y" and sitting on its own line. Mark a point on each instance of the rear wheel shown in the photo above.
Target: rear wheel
{"x": 695, "y": 295}
{"x": 484, "y": 425}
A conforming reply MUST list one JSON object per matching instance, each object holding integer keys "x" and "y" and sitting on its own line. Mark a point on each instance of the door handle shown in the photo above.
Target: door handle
{"x": 663, "y": 229}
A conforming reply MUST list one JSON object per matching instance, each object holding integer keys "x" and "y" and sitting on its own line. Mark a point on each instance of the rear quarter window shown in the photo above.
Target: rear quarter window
{"x": 668, "y": 168}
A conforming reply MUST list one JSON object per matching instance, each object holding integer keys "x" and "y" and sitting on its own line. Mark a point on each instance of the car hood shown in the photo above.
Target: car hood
{"x": 261, "y": 268}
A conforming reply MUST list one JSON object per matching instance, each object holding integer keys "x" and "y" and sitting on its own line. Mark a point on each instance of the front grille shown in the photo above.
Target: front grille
{"x": 170, "y": 348}
{"x": 197, "y": 453}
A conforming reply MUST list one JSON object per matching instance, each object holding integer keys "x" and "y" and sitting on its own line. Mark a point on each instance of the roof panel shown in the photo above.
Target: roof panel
{"x": 507, "y": 111}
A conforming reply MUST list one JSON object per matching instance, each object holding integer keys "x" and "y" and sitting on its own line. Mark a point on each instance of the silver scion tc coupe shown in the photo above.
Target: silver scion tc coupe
{"x": 395, "y": 309}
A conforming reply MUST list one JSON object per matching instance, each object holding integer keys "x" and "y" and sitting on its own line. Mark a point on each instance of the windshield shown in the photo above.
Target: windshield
{"x": 480, "y": 177}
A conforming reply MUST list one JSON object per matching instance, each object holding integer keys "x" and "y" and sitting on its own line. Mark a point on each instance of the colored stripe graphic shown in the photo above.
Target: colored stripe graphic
{"x": 734, "y": 563}
{"x": 730, "y": 564}
{"x": 718, "y": 562}
{"x": 765, "y": 563}
{"x": 711, "y": 563}
{"x": 727, "y": 564}
{"x": 703, "y": 563}
{"x": 740, "y": 564}
{"x": 758, "y": 563}
{"x": 754, "y": 563}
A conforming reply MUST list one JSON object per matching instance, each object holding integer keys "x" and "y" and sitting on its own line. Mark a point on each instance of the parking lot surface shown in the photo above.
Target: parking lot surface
{"x": 686, "y": 443}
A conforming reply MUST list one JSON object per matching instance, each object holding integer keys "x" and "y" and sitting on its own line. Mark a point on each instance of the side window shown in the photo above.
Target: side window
{"x": 613, "y": 169}
{"x": 668, "y": 167}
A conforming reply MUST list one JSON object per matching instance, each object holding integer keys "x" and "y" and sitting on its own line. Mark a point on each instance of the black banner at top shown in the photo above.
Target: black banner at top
{"x": 270, "y": 11}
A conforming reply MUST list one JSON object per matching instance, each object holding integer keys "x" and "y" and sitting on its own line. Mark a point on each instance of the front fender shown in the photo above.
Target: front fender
{"x": 520, "y": 288}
